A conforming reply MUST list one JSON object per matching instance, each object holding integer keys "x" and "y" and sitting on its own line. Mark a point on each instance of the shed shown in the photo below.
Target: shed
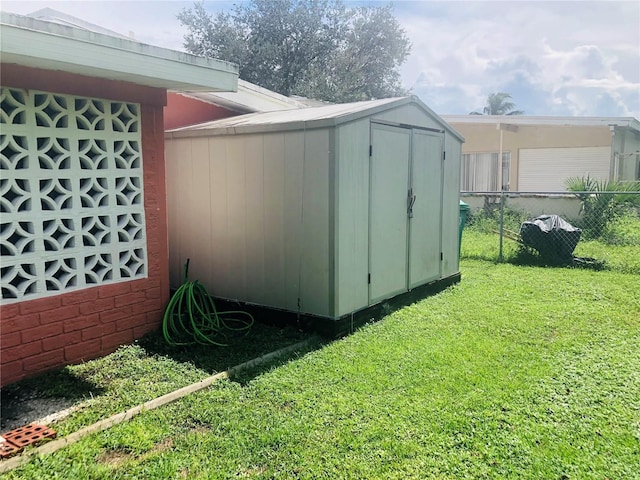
{"x": 323, "y": 212}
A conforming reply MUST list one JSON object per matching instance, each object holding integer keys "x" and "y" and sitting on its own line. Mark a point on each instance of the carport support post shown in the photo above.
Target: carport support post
{"x": 501, "y": 223}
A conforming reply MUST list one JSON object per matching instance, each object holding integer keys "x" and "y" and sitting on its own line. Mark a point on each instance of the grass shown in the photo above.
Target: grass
{"x": 617, "y": 250}
{"x": 140, "y": 372}
{"x": 518, "y": 372}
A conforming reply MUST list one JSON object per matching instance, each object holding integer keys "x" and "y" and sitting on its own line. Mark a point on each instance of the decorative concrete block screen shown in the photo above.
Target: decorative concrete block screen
{"x": 71, "y": 209}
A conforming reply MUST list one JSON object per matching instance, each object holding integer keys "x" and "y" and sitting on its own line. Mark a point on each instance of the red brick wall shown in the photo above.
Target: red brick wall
{"x": 181, "y": 111}
{"x": 38, "y": 335}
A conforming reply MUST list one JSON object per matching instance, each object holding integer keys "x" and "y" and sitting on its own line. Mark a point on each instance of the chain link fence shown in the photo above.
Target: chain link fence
{"x": 600, "y": 230}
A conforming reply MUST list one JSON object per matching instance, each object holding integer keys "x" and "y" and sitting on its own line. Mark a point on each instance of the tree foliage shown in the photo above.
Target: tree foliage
{"x": 314, "y": 48}
{"x": 499, "y": 104}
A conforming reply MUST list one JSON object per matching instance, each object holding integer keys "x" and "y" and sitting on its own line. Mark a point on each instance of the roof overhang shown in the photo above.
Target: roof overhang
{"x": 51, "y": 46}
{"x": 525, "y": 120}
{"x": 249, "y": 98}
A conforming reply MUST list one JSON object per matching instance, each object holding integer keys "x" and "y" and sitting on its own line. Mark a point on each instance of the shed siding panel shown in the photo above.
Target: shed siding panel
{"x": 198, "y": 211}
{"x": 547, "y": 169}
{"x": 451, "y": 207}
{"x": 252, "y": 213}
{"x": 236, "y": 221}
{"x": 314, "y": 297}
{"x": 174, "y": 204}
{"x": 220, "y": 263}
{"x": 293, "y": 187}
{"x": 352, "y": 210}
{"x": 409, "y": 115}
{"x": 274, "y": 219}
{"x": 254, "y": 182}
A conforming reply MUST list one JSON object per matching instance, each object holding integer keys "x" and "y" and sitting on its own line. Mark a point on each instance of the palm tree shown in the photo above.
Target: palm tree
{"x": 499, "y": 104}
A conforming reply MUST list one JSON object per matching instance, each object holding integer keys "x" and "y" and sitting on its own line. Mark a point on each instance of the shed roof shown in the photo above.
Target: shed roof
{"x": 304, "y": 118}
{"x": 52, "y": 45}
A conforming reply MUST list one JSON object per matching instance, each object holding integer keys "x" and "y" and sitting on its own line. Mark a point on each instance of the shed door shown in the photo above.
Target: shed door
{"x": 389, "y": 177}
{"x": 426, "y": 222}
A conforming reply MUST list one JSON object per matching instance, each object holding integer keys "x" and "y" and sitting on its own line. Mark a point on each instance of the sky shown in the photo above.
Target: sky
{"x": 572, "y": 58}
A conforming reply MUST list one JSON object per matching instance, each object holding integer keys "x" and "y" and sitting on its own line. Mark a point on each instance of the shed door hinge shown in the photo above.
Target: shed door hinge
{"x": 444, "y": 155}
{"x": 371, "y": 150}
{"x": 441, "y": 256}
{"x": 369, "y": 279}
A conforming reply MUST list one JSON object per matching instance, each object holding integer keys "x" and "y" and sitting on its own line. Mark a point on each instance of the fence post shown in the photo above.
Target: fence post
{"x": 501, "y": 224}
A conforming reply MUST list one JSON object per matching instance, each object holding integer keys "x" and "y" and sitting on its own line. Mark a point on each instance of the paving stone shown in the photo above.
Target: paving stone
{"x": 15, "y": 440}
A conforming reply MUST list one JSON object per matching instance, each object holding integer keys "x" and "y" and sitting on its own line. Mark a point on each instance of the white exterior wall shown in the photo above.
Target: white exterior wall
{"x": 567, "y": 206}
{"x": 626, "y": 147}
{"x": 252, "y": 213}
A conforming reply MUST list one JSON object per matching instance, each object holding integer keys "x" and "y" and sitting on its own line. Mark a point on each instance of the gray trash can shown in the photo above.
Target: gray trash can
{"x": 464, "y": 213}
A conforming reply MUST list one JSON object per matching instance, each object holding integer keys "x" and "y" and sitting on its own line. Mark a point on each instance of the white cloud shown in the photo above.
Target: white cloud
{"x": 555, "y": 58}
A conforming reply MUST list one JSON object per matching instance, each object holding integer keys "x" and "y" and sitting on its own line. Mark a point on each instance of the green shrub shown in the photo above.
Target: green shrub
{"x": 624, "y": 228}
{"x": 599, "y": 204}
{"x": 487, "y": 219}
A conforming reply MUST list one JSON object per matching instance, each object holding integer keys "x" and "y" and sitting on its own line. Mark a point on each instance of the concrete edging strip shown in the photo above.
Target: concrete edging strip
{"x": 62, "y": 442}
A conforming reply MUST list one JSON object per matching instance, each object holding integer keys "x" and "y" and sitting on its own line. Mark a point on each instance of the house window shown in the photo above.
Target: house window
{"x": 71, "y": 209}
{"x": 481, "y": 172}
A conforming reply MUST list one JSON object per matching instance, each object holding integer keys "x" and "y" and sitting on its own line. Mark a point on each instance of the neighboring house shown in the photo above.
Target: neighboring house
{"x": 192, "y": 108}
{"x": 83, "y": 235}
{"x": 540, "y": 153}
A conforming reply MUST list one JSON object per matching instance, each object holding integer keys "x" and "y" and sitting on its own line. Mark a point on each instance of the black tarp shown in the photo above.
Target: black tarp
{"x": 553, "y": 237}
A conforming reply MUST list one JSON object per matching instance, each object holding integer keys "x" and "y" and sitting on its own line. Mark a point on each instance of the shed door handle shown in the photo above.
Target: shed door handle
{"x": 410, "y": 200}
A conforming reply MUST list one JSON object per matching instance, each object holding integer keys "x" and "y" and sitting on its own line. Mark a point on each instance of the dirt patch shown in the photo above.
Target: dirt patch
{"x": 165, "y": 444}
{"x": 200, "y": 429}
{"x": 114, "y": 458}
{"x": 252, "y": 472}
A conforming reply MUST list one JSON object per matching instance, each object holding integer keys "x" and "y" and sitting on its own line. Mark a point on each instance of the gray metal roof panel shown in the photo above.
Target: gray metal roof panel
{"x": 297, "y": 119}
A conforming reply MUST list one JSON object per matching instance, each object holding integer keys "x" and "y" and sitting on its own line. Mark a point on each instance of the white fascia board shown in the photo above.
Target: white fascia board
{"x": 33, "y": 43}
{"x": 534, "y": 120}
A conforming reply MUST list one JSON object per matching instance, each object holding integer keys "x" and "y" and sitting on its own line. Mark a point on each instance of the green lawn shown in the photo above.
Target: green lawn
{"x": 518, "y": 372}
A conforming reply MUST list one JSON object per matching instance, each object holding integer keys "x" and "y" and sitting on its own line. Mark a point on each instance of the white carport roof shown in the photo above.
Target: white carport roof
{"x": 249, "y": 98}
{"x": 51, "y": 45}
{"x": 298, "y": 119}
{"x": 627, "y": 122}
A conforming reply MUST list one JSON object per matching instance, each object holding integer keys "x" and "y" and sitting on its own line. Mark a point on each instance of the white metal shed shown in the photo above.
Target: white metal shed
{"x": 321, "y": 211}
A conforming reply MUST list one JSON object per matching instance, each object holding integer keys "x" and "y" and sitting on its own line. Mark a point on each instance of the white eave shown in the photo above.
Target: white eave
{"x": 35, "y": 43}
{"x": 623, "y": 122}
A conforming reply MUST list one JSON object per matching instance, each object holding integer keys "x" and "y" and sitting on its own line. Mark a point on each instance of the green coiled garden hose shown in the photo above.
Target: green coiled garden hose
{"x": 191, "y": 317}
